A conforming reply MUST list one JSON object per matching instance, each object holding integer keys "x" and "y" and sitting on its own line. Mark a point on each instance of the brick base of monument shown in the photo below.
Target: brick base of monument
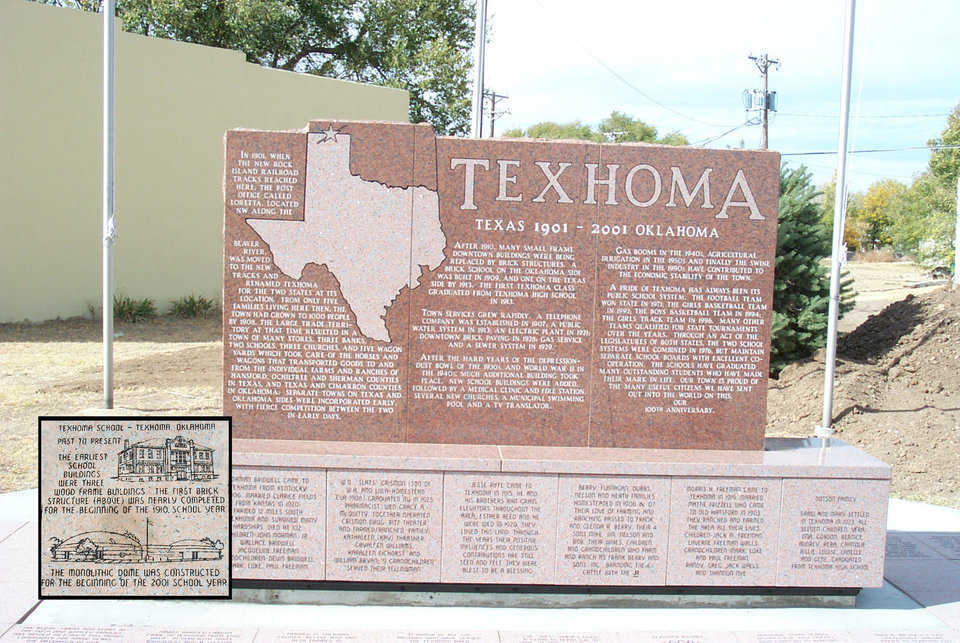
{"x": 797, "y": 515}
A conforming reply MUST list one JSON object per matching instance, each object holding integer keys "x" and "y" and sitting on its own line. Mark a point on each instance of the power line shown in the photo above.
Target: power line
{"x": 890, "y": 149}
{"x": 872, "y": 116}
{"x": 623, "y": 80}
{"x": 729, "y": 131}
{"x": 882, "y": 176}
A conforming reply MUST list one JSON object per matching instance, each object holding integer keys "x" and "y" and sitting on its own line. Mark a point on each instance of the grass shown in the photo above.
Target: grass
{"x": 879, "y": 255}
{"x": 133, "y": 310}
{"x": 192, "y": 306}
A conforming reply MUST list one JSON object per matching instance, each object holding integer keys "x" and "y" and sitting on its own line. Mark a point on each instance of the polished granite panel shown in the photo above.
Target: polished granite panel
{"x": 366, "y": 455}
{"x": 786, "y": 457}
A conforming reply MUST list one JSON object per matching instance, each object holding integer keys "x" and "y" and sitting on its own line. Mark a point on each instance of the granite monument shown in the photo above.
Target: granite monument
{"x": 385, "y": 284}
{"x": 518, "y": 362}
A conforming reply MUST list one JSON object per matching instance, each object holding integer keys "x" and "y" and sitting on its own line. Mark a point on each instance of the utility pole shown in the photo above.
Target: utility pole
{"x": 479, "y": 62}
{"x": 763, "y": 63}
{"x": 493, "y": 97}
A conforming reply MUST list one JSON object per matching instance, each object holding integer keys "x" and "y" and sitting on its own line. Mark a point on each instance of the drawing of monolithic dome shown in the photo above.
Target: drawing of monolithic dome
{"x": 98, "y": 546}
{"x": 113, "y": 547}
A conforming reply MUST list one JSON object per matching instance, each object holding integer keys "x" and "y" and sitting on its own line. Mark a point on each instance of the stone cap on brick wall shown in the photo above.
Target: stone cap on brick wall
{"x": 782, "y": 458}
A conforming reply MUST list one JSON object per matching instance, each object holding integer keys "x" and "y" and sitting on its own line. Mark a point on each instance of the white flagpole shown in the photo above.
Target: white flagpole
{"x": 825, "y": 429}
{"x": 956, "y": 241}
{"x": 479, "y": 60}
{"x": 109, "y": 224}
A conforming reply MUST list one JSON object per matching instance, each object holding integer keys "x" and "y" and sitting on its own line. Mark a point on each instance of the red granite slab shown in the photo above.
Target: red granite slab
{"x": 424, "y": 157}
{"x": 612, "y": 530}
{"x": 499, "y": 334}
{"x": 366, "y": 455}
{"x": 793, "y": 458}
{"x": 379, "y": 152}
{"x": 311, "y": 349}
{"x": 517, "y": 292}
{"x": 681, "y": 349}
{"x": 264, "y": 174}
{"x": 790, "y": 458}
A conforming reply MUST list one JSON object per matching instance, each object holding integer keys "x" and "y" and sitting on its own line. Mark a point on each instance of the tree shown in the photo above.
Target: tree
{"x": 87, "y": 549}
{"x": 617, "y": 127}
{"x": 422, "y": 46}
{"x": 854, "y": 229}
{"x": 923, "y": 217}
{"x": 876, "y": 211}
{"x": 945, "y": 163}
{"x": 922, "y": 222}
{"x": 801, "y": 288}
{"x": 557, "y": 131}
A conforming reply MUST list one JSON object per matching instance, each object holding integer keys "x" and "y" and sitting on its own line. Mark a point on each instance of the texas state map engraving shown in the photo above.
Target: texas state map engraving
{"x": 360, "y": 230}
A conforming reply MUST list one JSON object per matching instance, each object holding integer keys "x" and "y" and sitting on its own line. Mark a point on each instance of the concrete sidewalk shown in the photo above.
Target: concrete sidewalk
{"x": 919, "y": 601}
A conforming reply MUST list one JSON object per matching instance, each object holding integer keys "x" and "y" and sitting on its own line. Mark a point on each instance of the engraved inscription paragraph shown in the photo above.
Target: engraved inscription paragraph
{"x": 612, "y": 530}
{"x": 832, "y": 533}
{"x": 723, "y": 531}
{"x": 384, "y": 526}
{"x": 499, "y": 529}
{"x": 278, "y": 523}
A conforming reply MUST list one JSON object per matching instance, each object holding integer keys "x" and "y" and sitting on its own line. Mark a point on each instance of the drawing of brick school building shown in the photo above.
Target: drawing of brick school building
{"x": 165, "y": 459}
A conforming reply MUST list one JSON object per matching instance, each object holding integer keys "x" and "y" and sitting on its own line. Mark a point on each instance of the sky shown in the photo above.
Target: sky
{"x": 553, "y": 58}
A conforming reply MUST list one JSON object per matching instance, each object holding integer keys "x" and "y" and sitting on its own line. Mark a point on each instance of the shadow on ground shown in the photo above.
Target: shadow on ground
{"x": 877, "y": 336}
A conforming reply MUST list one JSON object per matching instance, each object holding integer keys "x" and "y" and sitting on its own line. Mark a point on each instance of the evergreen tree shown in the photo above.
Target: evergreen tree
{"x": 801, "y": 289}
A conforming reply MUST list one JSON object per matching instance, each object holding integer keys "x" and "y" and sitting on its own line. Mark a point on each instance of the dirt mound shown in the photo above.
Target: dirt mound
{"x": 897, "y": 394}
{"x": 883, "y": 332}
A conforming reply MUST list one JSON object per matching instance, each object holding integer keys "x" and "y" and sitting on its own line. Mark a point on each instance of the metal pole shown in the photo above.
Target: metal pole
{"x": 825, "y": 429}
{"x": 493, "y": 114}
{"x": 109, "y": 224}
{"x": 956, "y": 240}
{"x": 766, "y": 102}
{"x": 479, "y": 60}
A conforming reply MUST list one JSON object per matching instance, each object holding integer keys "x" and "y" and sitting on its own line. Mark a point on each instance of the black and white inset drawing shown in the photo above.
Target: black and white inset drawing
{"x": 134, "y": 507}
